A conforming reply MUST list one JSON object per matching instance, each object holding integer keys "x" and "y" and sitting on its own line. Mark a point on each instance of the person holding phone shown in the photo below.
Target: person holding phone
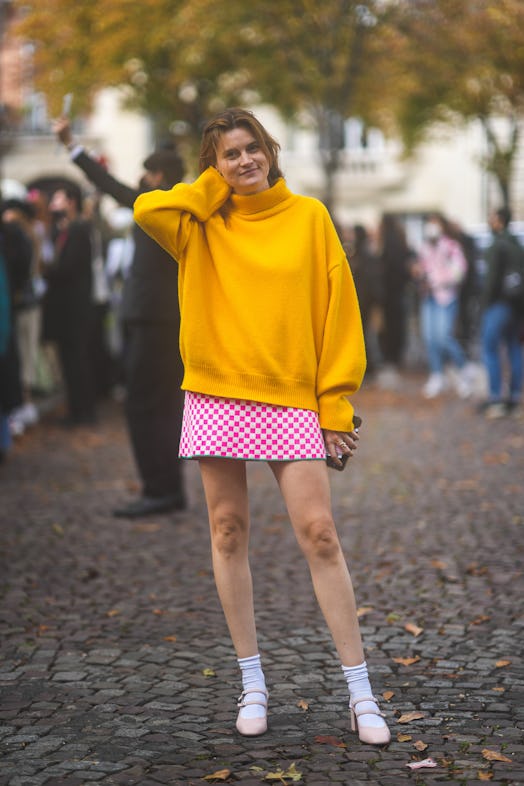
{"x": 150, "y": 319}
{"x": 272, "y": 344}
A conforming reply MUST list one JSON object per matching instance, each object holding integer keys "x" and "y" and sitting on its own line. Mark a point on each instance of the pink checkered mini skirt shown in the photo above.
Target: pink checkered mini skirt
{"x": 249, "y": 430}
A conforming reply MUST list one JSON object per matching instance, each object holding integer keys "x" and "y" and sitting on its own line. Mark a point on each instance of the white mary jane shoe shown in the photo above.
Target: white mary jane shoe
{"x": 252, "y": 727}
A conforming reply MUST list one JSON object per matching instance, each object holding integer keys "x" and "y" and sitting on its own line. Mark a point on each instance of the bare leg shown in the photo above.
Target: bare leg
{"x": 306, "y": 491}
{"x": 305, "y": 487}
{"x": 225, "y": 487}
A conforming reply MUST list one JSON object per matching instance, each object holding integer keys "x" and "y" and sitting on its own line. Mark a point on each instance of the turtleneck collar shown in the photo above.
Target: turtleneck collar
{"x": 264, "y": 200}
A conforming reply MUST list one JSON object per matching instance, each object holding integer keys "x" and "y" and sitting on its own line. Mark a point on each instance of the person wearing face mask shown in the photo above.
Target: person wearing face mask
{"x": 439, "y": 272}
{"x": 272, "y": 343}
{"x": 152, "y": 365}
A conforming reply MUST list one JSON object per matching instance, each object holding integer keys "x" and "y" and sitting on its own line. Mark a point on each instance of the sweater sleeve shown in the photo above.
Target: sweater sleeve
{"x": 342, "y": 361}
{"x": 169, "y": 216}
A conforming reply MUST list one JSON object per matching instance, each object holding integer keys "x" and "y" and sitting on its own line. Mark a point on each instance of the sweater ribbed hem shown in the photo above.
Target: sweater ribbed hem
{"x": 250, "y": 387}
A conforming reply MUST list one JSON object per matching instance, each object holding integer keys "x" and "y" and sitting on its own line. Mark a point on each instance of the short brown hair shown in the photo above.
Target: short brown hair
{"x": 169, "y": 163}
{"x": 229, "y": 119}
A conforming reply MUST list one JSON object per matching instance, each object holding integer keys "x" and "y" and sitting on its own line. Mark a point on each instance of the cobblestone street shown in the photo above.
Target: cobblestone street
{"x": 116, "y": 666}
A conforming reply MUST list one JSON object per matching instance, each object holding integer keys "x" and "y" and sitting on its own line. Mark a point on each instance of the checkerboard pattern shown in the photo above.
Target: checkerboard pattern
{"x": 249, "y": 430}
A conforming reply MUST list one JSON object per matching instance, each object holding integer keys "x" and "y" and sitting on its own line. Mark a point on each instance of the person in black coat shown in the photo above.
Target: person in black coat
{"x": 396, "y": 258}
{"x": 68, "y": 303}
{"x": 151, "y": 320}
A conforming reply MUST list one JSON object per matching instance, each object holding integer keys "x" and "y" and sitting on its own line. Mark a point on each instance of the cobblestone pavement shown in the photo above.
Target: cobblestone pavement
{"x": 116, "y": 666}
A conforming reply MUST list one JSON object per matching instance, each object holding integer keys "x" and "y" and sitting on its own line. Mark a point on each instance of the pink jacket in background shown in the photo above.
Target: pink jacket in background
{"x": 444, "y": 266}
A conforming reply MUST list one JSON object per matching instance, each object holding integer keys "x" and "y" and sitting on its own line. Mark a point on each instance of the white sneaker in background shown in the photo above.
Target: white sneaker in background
{"x": 16, "y": 425}
{"x": 28, "y": 414}
{"x": 434, "y": 386}
{"x": 388, "y": 378}
{"x": 495, "y": 410}
{"x": 465, "y": 382}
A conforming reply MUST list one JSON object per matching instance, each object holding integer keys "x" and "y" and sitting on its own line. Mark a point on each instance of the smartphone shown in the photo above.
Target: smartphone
{"x": 66, "y": 104}
{"x": 357, "y": 422}
{"x": 331, "y": 462}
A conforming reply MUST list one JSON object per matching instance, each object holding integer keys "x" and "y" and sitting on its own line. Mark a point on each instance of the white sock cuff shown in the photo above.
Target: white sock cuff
{"x": 358, "y": 671}
{"x": 253, "y": 661}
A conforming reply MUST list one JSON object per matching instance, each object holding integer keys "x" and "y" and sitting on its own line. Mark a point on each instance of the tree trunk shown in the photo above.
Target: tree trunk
{"x": 500, "y": 158}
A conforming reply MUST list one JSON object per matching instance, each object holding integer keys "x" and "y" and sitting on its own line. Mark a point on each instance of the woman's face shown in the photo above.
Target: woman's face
{"x": 242, "y": 162}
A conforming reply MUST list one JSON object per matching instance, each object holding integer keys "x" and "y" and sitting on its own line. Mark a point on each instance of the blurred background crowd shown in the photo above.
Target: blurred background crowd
{"x": 420, "y": 161}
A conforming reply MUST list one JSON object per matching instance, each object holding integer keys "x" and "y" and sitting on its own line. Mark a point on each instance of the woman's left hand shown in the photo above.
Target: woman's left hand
{"x": 339, "y": 443}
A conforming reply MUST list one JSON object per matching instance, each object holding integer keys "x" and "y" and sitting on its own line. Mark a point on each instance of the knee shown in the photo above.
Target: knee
{"x": 229, "y": 533}
{"x": 320, "y": 540}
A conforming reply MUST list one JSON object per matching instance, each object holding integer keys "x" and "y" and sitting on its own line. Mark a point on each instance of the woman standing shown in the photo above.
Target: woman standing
{"x": 272, "y": 345}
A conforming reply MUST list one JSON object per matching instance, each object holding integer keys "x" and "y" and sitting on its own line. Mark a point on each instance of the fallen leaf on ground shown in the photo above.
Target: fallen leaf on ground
{"x": 419, "y": 765}
{"x": 393, "y": 617}
{"x": 496, "y": 458}
{"x": 480, "y": 619}
{"x": 485, "y": 776}
{"x": 169, "y": 638}
{"x": 467, "y": 484}
{"x": 411, "y": 716}
{"x": 303, "y": 705}
{"x": 291, "y": 774}
{"x": 407, "y": 661}
{"x": 326, "y": 740}
{"x": 158, "y": 612}
{"x": 363, "y": 610}
{"x": 113, "y": 613}
{"x": 209, "y": 673}
{"x": 439, "y": 564}
{"x": 490, "y": 755}
{"x": 388, "y": 695}
{"x": 499, "y": 689}
{"x": 146, "y": 527}
{"x": 401, "y": 737}
{"x": 413, "y": 629}
{"x": 501, "y": 663}
{"x": 420, "y": 746}
{"x": 219, "y": 775}
{"x": 476, "y": 570}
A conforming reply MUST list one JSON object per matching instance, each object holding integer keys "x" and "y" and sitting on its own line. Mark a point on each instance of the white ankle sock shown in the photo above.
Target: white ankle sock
{"x": 253, "y": 678}
{"x": 360, "y": 687}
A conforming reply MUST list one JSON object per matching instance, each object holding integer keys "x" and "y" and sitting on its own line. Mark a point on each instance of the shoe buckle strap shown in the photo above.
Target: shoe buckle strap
{"x": 370, "y": 699}
{"x": 241, "y": 702}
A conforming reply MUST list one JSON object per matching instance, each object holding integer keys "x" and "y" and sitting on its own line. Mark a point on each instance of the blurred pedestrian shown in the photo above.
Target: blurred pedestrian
{"x": 502, "y": 319}
{"x": 366, "y": 268}
{"x": 15, "y": 267}
{"x": 104, "y": 366}
{"x": 27, "y": 307}
{"x": 68, "y": 303}
{"x": 468, "y": 309}
{"x": 396, "y": 257}
{"x": 48, "y": 376}
{"x": 5, "y": 334}
{"x": 272, "y": 344}
{"x": 439, "y": 272}
{"x": 152, "y": 365}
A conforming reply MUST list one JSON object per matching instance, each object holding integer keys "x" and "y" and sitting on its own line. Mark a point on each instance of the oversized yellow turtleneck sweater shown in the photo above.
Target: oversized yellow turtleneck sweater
{"x": 268, "y": 306}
